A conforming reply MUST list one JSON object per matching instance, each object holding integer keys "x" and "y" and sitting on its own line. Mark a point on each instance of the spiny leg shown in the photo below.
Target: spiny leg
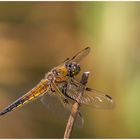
{"x": 62, "y": 98}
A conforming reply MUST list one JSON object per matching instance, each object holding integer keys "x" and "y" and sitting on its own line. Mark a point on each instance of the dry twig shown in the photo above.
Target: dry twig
{"x": 75, "y": 106}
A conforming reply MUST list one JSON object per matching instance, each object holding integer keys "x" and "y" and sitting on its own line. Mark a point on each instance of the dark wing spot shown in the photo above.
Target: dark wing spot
{"x": 88, "y": 89}
{"x": 87, "y": 48}
{"x": 108, "y": 97}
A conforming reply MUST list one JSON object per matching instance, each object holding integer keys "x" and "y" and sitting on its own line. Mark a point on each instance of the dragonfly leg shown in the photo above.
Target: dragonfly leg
{"x": 61, "y": 95}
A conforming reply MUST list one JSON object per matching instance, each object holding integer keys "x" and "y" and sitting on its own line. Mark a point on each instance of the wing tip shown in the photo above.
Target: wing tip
{"x": 108, "y": 96}
{"x": 79, "y": 123}
{"x": 88, "y": 48}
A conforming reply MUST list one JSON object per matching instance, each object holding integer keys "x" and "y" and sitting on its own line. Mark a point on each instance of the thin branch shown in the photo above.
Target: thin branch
{"x": 75, "y": 106}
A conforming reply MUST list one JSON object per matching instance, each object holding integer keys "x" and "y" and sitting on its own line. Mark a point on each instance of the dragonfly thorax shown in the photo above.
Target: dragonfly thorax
{"x": 60, "y": 71}
{"x": 73, "y": 69}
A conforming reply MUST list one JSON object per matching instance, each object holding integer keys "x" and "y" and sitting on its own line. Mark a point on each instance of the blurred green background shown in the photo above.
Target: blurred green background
{"x": 36, "y": 36}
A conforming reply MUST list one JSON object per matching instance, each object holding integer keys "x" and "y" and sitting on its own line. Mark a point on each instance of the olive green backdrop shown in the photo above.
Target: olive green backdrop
{"x": 36, "y": 36}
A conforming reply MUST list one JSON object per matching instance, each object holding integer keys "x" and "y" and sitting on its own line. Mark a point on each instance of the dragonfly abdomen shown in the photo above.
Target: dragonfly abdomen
{"x": 12, "y": 106}
{"x": 37, "y": 91}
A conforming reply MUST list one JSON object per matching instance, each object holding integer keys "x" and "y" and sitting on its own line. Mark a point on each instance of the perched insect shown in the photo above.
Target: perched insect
{"x": 59, "y": 89}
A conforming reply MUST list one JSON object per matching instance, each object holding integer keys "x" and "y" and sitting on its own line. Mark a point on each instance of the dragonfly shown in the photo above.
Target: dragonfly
{"x": 59, "y": 89}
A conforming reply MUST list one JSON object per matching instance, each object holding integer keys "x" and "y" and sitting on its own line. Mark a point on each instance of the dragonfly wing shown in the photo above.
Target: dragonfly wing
{"x": 79, "y": 56}
{"x": 92, "y": 97}
{"x": 97, "y": 99}
{"x": 54, "y": 105}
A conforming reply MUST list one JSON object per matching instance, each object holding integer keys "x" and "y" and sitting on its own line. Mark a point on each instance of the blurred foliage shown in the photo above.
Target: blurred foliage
{"x": 37, "y": 36}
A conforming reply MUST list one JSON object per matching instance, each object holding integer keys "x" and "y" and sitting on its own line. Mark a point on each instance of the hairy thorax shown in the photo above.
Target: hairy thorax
{"x": 58, "y": 74}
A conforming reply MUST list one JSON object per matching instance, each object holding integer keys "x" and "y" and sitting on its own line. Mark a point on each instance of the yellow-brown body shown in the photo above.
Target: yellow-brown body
{"x": 56, "y": 75}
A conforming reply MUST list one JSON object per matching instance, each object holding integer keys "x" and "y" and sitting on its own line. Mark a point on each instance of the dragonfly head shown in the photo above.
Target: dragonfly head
{"x": 73, "y": 69}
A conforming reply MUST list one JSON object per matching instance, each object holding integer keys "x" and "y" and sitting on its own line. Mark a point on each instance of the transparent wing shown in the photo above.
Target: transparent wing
{"x": 79, "y": 56}
{"x": 53, "y": 104}
{"x": 98, "y": 99}
{"x": 91, "y": 97}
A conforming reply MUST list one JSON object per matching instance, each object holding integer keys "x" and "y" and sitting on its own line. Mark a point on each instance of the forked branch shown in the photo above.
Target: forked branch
{"x": 75, "y": 106}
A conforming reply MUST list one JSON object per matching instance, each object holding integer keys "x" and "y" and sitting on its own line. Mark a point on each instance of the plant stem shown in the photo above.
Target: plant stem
{"x": 75, "y": 106}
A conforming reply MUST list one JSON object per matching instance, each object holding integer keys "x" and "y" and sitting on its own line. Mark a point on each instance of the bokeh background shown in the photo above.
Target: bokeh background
{"x": 36, "y": 36}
